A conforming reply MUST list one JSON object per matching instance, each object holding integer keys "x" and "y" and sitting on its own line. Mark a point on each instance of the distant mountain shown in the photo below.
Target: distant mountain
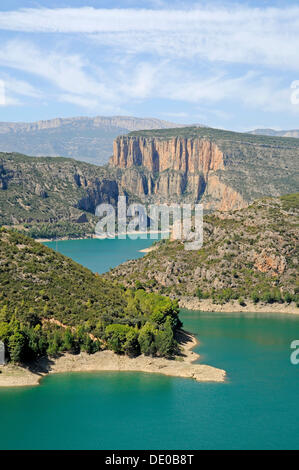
{"x": 272, "y": 132}
{"x": 82, "y": 138}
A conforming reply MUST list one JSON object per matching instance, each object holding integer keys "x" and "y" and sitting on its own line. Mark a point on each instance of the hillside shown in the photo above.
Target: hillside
{"x": 291, "y": 133}
{"x": 52, "y": 197}
{"x": 248, "y": 254}
{"x": 50, "y": 304}
{"x": 83, "y": 138}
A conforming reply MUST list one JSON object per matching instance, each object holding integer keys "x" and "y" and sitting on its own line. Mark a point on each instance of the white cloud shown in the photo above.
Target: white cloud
{"x": 266, "y": 36}
{"x": 67, "y": 72}
{"x": 186, "y": 56}
{"x": 75, "y": 80}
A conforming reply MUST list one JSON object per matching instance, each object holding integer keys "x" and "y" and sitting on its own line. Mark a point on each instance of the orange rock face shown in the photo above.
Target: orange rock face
{"x": 178, "y": 154}
{"x": 172, "y": 169}
{"x": 270, "y": 264}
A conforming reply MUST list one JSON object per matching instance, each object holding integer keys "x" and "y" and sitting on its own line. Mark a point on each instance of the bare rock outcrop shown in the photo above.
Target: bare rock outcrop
{"x": 173, "y": 170}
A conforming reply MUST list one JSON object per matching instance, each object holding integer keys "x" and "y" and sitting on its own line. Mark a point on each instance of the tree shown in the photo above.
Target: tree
{"x": 164, "y": 340}
{"x": 146, "y": 339}
{"x": 16, "y": 346}
{"x": 288, "y": 297}
{"x": 31, "y": 318}
{"x": 131, "y": 346}
{"x": 53, "y": 347}
{"x": 116, "y": 335}
{"x": 68, "y": 340}
{"x": 4, "y": 315}
{"x": 87, "y": 344}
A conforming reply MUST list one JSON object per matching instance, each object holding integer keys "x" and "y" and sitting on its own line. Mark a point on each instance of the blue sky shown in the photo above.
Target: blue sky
{"x": 225, "y": 64}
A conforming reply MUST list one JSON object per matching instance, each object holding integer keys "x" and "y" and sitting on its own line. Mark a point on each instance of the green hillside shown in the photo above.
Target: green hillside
{"x": 50, "y": 304}
{"x": 247, "y": 254}
{"x": 52, "y": 197}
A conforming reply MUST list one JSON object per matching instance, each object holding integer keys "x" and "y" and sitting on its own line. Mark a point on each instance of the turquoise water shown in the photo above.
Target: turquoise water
{"x": 257, "y": 408}
{"x": 101, "y": 255}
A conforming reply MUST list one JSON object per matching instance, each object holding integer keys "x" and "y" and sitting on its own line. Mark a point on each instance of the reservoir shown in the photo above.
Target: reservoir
{"x": 257, "y": 407}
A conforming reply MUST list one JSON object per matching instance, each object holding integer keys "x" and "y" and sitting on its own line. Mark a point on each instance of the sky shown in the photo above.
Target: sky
{"x": 227, "y": 64}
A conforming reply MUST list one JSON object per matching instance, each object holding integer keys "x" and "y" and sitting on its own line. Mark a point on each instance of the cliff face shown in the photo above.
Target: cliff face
{"x": 224, "y": 170}
{"x": 178, "y": 154}
{"x": 174, "y": 169}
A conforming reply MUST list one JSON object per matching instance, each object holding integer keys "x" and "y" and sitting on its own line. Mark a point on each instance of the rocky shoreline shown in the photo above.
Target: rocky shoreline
{"x": 207, "y": 305}
{"x": 182, "y": 366}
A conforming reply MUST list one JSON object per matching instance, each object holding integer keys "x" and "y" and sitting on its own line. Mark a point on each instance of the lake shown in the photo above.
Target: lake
{"x": 257, "y": 407}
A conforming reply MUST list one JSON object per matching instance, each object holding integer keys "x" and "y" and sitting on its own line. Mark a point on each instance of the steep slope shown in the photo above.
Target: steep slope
{"x": 84, "y": 138}
{"x": 52, "y": 196}
{"x": 250, "y": 253}
{"x": 225, "y": 170}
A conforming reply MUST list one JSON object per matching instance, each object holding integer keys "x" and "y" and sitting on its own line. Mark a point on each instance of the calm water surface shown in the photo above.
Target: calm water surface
{"x": 101, "y": 255}
{"x": 258, "y": 406}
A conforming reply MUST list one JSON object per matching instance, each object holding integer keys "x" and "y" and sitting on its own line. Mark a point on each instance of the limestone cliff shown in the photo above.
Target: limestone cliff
{"x": 174, "y": 169}
{"x": 224, "y": 170}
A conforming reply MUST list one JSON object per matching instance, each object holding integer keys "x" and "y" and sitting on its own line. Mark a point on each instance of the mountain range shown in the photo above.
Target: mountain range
{"x": 83, "y": 138}
{"x": 56, "y": 197}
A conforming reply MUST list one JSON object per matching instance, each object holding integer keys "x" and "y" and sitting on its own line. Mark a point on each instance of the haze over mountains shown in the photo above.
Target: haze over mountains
{"x": 89, "y": 139}
{"x": 272, "y": 132}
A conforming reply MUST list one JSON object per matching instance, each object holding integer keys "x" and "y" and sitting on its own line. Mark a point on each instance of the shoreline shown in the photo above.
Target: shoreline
{"x": 94, "y": 236}
{"x": 104, "y": 361}
{"x": 62, "y": 239}
{"x": 149, "y": 249}
{"x": 207, "y": 305}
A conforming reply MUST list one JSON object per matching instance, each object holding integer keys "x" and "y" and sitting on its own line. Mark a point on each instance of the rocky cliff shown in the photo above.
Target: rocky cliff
{"x": 224, "y": 170}
{"x": 53, "y": 196}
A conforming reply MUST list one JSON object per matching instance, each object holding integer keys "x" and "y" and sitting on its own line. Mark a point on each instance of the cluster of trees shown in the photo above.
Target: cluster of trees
{"x": 266, "y": 295}
{"x": 57, "y": 230}
{"x": 28, "y": 341}
{"x": 152, "y": 326}
{"x": 148, "y": 326}
{"x": 38, "y": 285}
{"x": 151, "y": 339}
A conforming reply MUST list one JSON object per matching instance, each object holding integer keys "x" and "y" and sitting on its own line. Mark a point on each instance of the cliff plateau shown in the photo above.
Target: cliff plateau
{"x": 224, "y": 170}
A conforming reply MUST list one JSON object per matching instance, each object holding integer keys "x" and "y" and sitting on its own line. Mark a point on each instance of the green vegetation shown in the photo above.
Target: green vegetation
{"x": 47, "y": 197}
{"x": 247, "y": 255}
{"x": 212, "y": 134}
{"x": 49, "y": 304}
